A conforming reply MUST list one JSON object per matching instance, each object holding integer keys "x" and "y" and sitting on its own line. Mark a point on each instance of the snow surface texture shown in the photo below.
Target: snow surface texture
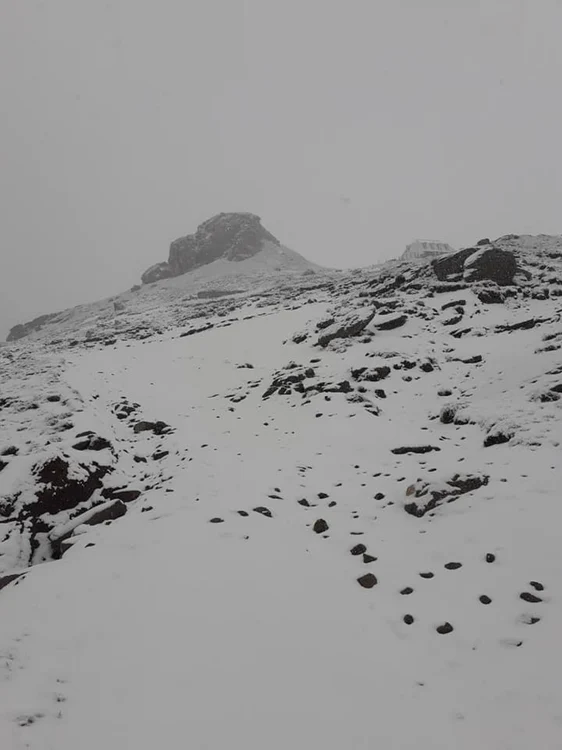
{"x": 342, "y": 516}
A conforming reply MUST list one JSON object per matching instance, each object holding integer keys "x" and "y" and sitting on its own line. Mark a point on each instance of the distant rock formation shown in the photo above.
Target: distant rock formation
{"x": 24, "y": 329}
{"x": 231, "y": 236}
{"x": 425, "y": 249}
{"x": 477, "y": 264}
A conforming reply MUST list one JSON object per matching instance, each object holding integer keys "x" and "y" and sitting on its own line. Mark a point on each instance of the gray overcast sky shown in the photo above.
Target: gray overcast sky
{"x": 126, "y": 123}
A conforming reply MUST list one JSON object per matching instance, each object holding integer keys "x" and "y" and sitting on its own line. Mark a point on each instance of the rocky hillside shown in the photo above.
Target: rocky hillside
{"x": 334, "y": 500}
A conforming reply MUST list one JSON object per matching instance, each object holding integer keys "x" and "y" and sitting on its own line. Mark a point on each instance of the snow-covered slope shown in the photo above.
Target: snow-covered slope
{"x": 327, "y": 517}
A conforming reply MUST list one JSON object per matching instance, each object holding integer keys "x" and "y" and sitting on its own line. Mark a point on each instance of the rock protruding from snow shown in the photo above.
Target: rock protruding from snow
{"x": 156, "y": 272}
{"x": 486, "y": 263}
{"x": 228, "y": 236}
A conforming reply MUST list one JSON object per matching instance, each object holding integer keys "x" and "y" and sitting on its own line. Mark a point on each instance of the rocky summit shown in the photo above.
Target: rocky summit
{"x": 329, "y": 499}
{"x": 230, "y": 236}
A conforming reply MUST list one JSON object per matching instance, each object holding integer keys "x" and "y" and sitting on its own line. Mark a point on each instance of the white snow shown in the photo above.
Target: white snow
{"x": 253, "y": 634}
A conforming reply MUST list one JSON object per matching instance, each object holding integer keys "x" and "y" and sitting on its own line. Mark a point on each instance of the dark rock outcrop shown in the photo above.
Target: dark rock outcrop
{"x": 320, "y": 526}
{"x": 394, "y": 321}
{"x": 477, "y": 264}
{"x": 91, "y": 442}
{"x": 5, "y": 580}
{"x": 157, "y": 272}
{"x": 351, "y": 326}
{"x": 428, "y": 496}
{"x": 158, "y": 428}
{"x": 367, "y": 581}
{"x": 60, "y": 489}
{"x": 492, "y": 264}
{"x": 231, "y": 236}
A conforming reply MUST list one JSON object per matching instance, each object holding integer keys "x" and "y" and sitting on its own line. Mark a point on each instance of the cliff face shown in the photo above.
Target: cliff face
{"x": 231, "y": 236}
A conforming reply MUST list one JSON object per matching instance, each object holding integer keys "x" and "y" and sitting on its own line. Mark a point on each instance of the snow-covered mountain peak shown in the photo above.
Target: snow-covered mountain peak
{"x": 232, "y": 237}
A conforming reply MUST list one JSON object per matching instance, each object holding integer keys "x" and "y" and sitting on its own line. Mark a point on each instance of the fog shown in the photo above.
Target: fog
{"x": 351, "y": 128}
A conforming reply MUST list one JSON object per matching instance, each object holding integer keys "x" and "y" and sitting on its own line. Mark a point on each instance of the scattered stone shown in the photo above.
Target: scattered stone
{"x": 445, "y": 628}
{"x": 408, "y": 619}
{"x": 454, "y": 303}
{"x": 358, "y": 549}
{"x": 531, "y": 598}
{"x": 490, "y": 296}
{"x": 367, "y": 581}
{"x": 216, "y": 520}
{"x": 471, "y": 360}
{"x": 407, "y": 591}
{"x": 320, "y": 526}
{"x": 429, "y": 496}
{"x": 414, "y": 449}
{"x": 158, "y": 428}
{"x": 490, "y": 558}
{"x": 371, "y": 375}
{"x": 395, "y": 321}
{"x": 263, "y": 511}
{"x": 536, "y": 585}
{"x": 453, "y": 565}
{"x": 485, "y": 599}
{"x": 427, "y": 575}
{"x": 91, "y": 442}
{"x": 448, "y": 413}
{"x": 497, "y": 436}
{"x": 368, "y": 558}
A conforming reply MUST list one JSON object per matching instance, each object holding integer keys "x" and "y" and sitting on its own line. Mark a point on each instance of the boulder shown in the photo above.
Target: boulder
{"x": 157, "y": 272}
{"x": 158, "y": 428}
{"x": 320, "y": 526}
{"x": 350, "y": 326}
{"x": 91, "y": 442}
{"x": 452, "y": 264}
{"x": 477, "y": 264}
{"x": 491, "y": 263}
{"x": 389, "y": 322}
{"x": 428, "y": 495}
